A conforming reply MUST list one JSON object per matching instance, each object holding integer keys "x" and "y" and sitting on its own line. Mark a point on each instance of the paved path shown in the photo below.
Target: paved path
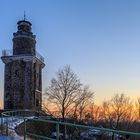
{"x": 5, "y": 138}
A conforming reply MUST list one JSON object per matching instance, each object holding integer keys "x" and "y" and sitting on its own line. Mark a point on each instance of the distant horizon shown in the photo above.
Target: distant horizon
{"x": 100, "y": 40}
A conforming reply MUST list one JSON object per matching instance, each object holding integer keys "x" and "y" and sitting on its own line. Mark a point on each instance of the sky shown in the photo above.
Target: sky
{"x": 99, "y": 39}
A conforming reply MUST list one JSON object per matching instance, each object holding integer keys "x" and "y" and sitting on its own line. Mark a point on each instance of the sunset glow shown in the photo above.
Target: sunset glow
{"x": 99, "y": 39}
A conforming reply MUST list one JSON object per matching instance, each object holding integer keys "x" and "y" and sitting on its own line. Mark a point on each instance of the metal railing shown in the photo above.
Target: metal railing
{"x": 7, "y": 52}
{"x": 59, "y": 130}
{"x": 10, "y": 53}
{"x": 39, "y": 56}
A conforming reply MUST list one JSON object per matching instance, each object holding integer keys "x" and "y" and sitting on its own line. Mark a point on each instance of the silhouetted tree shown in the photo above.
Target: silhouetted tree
{"x": 117, "y": 110}
{"x": 138, "y": 108}
{"x": 63, "y": 90}
{"x": 83, "y": 102}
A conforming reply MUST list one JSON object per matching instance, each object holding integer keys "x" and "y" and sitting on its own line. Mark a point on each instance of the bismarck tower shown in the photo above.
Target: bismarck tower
{"x": 23, "y": 71}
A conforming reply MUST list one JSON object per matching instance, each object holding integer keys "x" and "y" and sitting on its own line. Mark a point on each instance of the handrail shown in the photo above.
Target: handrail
{"x": 89, "y": 127}
{"x": 10, "y": 53}
{"x": 58, "y": 123}
{"x": 7, "y": 52}
{"x": 17, "y": 112}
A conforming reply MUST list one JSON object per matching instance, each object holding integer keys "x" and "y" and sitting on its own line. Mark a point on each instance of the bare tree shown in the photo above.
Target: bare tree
{"x": 122, "y": 107}
{"x": 117, "y": 110}
{"x": 137, "y": 105}
{"x": 83, "y": 102}
{"x": 63, "y": 90}
{"x": 95, "y": 110}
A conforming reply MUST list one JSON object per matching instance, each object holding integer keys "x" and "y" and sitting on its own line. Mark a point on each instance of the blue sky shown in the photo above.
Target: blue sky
{"x": 99, "y": 39}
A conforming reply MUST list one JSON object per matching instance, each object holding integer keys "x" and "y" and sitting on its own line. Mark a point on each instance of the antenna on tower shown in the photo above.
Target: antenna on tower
{"x": 24, "y": 15}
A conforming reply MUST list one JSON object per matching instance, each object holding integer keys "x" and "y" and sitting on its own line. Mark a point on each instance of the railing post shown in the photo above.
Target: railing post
{"x": 7, "y": 126}
{"x": 12, "y": 116}
{"x": 1, "y": 119}
{"x": 16, "y": 114}
{"x": 2, "y": 123}
{"x": 57, "y": 131}
{"x": 24, "y": 128}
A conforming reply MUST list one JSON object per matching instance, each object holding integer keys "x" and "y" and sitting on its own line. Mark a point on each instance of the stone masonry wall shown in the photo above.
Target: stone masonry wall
{"x": 18, "y": 85}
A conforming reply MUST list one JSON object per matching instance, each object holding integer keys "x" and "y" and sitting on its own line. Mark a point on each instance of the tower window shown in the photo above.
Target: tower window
{"x": 37, "y": 103}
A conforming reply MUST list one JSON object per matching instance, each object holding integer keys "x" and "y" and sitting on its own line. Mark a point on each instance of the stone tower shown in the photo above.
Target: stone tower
{"x": 23, "y": 71}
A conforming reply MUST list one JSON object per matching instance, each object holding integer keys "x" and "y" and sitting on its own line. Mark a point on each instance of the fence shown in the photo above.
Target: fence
{"x": 49, "y": 129}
